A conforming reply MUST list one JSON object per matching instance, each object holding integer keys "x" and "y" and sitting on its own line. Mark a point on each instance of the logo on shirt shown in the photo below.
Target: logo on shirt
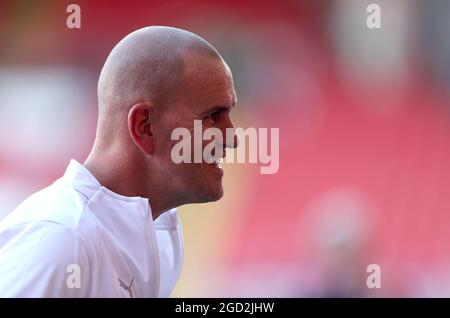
{"x": 127, "y": 288}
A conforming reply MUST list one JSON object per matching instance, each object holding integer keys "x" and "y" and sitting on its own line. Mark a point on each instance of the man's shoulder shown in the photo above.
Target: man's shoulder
{"x": 55, "y": 204}
{"x": 35, "y": 253}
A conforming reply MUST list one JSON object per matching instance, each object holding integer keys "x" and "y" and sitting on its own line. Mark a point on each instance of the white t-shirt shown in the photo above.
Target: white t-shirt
{"x": 76, "y": 238}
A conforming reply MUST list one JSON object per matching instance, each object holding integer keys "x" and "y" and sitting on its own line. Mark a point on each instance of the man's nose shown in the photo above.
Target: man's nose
{"x": 232, "y": 141}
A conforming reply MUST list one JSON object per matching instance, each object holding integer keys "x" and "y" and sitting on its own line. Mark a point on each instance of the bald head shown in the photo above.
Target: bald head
{"x": 147, "y": 66}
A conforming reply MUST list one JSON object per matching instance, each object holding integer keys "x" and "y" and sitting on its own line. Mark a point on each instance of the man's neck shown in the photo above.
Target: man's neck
{"x": 121, "y": 179}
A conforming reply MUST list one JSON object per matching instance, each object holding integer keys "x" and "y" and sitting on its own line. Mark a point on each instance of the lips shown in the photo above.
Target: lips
{"x": 217, "y": 167}
{"x": 216, "y": 163}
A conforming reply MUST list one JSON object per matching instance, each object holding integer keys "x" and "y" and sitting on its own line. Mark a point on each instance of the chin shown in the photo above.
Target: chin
{"x": 211, "y": 195}
{"x": 218, "y": 195}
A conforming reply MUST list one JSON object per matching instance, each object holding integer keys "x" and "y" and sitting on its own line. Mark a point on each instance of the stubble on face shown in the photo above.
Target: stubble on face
{"x": 208, "y": 85}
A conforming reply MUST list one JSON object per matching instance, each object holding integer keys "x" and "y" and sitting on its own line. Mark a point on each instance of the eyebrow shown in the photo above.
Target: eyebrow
{"x": 218, "y": 108}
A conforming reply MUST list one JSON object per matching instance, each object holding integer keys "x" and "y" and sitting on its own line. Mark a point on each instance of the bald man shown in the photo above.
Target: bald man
{"x": 109, "y": 227}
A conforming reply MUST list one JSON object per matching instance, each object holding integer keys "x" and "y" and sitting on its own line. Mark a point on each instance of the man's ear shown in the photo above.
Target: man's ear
{"x": 140, "y": 119}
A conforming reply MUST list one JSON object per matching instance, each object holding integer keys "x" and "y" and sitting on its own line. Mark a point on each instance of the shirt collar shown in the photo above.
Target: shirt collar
{"x": 79, "y": 177}
{"x": 82, "y": 180}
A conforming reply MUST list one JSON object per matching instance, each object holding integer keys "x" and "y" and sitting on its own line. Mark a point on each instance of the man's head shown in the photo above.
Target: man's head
{"x": 155, "y": 80}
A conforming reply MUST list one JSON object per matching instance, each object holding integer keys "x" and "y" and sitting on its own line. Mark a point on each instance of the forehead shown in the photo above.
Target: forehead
{"x": 208, "y": 80}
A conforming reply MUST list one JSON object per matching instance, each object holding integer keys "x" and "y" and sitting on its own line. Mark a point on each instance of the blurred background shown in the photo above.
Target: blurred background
{"x": 364, "y": 119}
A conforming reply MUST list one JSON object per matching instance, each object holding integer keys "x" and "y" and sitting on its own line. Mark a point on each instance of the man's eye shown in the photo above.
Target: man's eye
{"x": 214, "y": 116}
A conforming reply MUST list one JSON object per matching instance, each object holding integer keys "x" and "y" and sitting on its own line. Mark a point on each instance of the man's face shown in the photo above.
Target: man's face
{"x": 207, "y": 95}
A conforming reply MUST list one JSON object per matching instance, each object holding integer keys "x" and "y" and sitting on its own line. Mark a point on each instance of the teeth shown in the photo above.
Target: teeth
{"x": 217, "y": 161}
